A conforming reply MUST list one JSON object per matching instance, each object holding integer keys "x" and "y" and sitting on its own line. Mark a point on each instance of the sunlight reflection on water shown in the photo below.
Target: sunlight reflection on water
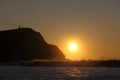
{"x": 58, "y": 73}
{"x": 74, "y": 72}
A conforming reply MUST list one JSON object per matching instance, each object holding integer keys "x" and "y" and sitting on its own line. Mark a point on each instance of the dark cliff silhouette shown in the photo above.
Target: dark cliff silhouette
{"x": 26, "y": 44}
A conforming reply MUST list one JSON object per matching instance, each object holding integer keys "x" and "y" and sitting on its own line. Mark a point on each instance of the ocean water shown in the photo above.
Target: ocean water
{"x": 58, "y": 73}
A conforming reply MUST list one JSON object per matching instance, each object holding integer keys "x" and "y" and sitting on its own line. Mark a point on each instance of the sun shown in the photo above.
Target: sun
{"x": 73, "y": 46}
{"x": 74, "y": 50}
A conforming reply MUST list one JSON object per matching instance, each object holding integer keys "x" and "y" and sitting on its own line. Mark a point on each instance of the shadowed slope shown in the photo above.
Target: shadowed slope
{"x": 26, "y": 44}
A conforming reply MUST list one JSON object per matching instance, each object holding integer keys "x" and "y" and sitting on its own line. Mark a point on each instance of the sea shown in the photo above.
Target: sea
{"x": 58, "y": 73}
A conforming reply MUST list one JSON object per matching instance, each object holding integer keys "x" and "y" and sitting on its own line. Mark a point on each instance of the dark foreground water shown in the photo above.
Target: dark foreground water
{"x": 58, "y": 73}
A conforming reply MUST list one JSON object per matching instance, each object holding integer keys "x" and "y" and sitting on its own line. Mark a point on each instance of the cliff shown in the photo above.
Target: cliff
{"x": 26, "y": 44}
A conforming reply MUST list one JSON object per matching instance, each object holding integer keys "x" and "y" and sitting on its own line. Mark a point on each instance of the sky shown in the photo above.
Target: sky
{"x": 94, "y": 25}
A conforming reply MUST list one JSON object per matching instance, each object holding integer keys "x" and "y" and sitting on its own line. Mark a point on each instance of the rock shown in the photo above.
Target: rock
{"x": 26, "y": 44}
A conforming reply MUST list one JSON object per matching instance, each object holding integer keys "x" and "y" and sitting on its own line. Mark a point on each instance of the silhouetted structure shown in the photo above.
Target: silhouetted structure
{"x": 26, "y": 44}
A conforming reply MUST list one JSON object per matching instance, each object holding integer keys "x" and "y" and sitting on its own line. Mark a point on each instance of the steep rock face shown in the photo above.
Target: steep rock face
{"x": 26, "y": 44}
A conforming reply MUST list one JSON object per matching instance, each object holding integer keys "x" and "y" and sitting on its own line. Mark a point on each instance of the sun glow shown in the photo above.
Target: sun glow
{"x": 73, "y": 46}
{"x": 74, "y": 50}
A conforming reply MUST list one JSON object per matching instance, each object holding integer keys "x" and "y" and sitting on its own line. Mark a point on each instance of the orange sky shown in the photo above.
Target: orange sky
{"x": 93, "y": 24}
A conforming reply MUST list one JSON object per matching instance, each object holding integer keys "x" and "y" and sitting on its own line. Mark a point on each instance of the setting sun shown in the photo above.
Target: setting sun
{"x": 74, "y": 49}
{"x": 73, "y": 46}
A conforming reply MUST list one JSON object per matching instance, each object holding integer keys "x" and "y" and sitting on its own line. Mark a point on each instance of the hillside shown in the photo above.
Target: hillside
{"x": 26, "y": 44}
